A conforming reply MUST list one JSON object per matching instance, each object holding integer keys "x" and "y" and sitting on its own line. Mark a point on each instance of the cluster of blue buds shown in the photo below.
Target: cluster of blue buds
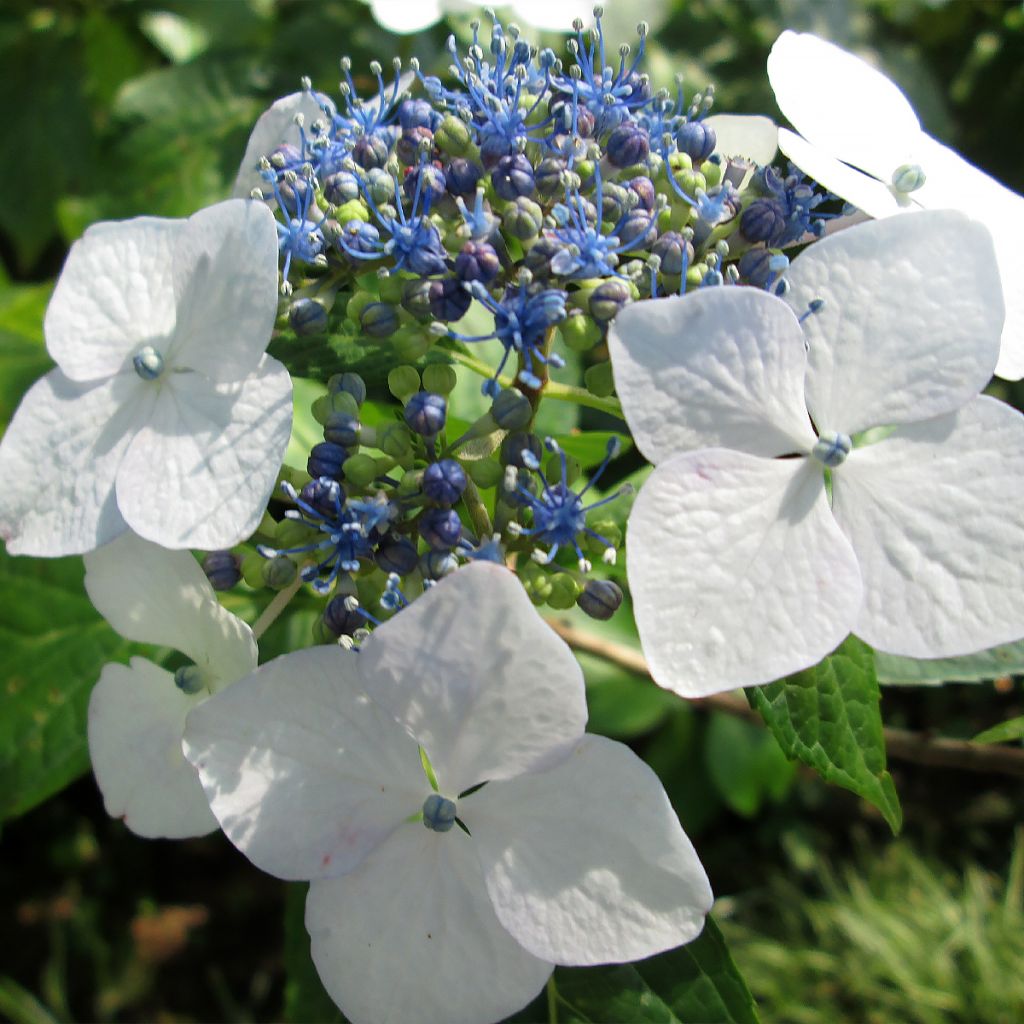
{"x": 532, "y": 196}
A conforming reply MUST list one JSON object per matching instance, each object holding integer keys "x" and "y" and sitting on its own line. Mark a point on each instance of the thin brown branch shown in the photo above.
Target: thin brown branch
{"x": 901, "y": 744}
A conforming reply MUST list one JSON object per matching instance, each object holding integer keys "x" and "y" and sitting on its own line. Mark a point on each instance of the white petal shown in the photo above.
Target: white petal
{"x": 861, "y": 190}
{"x": 113, "y": 296}
{"x": 403, "y": 17}
{"x": 478, "y": 677}
{"x": 225, "y": 284}
{"x": 156, "y": 596}
{"x": 410, "y": 935}
{"x": 911, "y": 322}
{"x": 199, "y": 473}
{"x": 935, "y": 513}
{"x": 842, "y": 105}
{"x": 721, "y": 366}
{"x": 558, "y": 15}
{"x": 738, "y": 571}
{"x": 953, "y": 182}
{"x": 136, "y": 718}
{"x": 276, "y": 126}
{"x": 58, "y": 461}
{"x": 748, "y": 135}
{"x": 586, "y": 863}
{"x": 305, "y": 774}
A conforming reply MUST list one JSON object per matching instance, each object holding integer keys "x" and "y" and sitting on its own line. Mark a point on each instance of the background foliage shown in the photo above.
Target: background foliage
{"x": 120, "y": 108}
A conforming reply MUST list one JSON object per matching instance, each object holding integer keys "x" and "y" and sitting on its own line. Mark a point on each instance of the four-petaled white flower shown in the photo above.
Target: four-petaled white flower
{"x": 571, "y": 852}
{"x": 863, "y": 141}
{"x": 742, "y": 566}
{"x": 137, "y": 711}
{"x": 164, "y": 414}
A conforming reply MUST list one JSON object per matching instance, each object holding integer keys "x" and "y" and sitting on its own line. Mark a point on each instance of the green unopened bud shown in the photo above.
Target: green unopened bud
{"x": 357, "y": 303}
{"x": 252, "y": 570}
{"x": 339, "y": 402}
{"x": 354, "y": 209}
{"x": 485, "y": 472}
{"x": 599, "y": 380}
{"x": 395, "y": 439}
{"x": 579, "y": 332}
{"x": 439, "y": 378}
{"x": 391, "y": 288}
{"x": 563, "y": 591}
{"x": 584, "y": 168}
{"x": 453, "y": 136}
{"x": 536, "y": 582}
{"x": 403, "y": 382}
{"x": 349, "y": 383}
{"x": 695, "y": 275}
{"x": 360, "y": 470}
{"x": 553, "y": 469}
{"x": 610, "y": 530}
{"x": 712, "y": 173}
{"x": 411, "y": 486}
{"x": 279, "y": 572}
{"x": 680, "y": 161}
{"x": 511, "y": 409}
{"x": 416, "y": 297}
{"x": 609, "y": 297}
{"x": 523, "y": 219}
{"x": 412, "y": 342}
{"x": 908, "y": 178}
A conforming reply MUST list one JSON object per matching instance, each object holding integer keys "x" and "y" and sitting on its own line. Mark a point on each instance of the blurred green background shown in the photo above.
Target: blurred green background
{"x": 122, "y": 108}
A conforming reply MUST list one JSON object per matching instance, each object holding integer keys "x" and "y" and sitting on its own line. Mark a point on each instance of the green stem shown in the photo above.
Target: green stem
{"x": 477, "y": 511}
{"x": 278, "y": 605}
{"x": 581, "y": 396}
{"x": 552, "y": 1000}
{"x": 477, "y": 366}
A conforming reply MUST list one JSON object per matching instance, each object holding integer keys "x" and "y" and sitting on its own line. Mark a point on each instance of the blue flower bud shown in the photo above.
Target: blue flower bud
{"x": 549, "y": 177}
{"x": 425, "y": 413}
{"x": 461, "y": 177}
{"x": 755, "y": 267}
{"x": 342, "y": 616}
{"x": 600, "y": 599}
{"x": 411, "y": 142}
{"x": 438, "y": 813}
{"x": 326, "y": 459}
{"x": 350, "y": 383}
{"x": 764, "y": 220}
{"x": 342, "y": 429}
{"x": 627, "y": 145}
{"x": 429, "y": 180}
{"x": 399, "y": 555}
{"x": 832, "y": 448}
{"x": 360, "y": 237}
{"x": 441, "y": 528}
{"x": 189, "y": 679}
{"x": 323, "y": 495}
{"x": 148, "y": 363}
{"x": 697, "y": 140}
{"x": 513, "y": 176}
{"x": 341, "y": 187}
{"x": 444, "y": 481}
{"x": 371, "y": 151}
{"x": 517, "y": 449}
{"x": 607, "y": 299}
{"x": 307, "y": 317}
{"x": 638, "y": 230}
{"x": 436, "y": 564}
{"x": 415, "y": 114}
{"x": 492, "y": 148}
{"x": 448, "y": 299}
{"x": 379, "y": 320}
{"x": 477, "y": 261}
{"x": 643, "y": 188}
{"x": 674, "y": 251}
{"x": 223, "y": 569}
{"x": 511, "y": 410}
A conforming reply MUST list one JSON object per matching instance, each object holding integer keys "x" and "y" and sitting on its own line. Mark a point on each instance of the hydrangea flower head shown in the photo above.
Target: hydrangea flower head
{"x": 164, "y": 413}
{"x": 778, "y": 519}
{"x": 860, "y": 137}
{"x": 448, "y": 894}
{"x": 137, "y": 711}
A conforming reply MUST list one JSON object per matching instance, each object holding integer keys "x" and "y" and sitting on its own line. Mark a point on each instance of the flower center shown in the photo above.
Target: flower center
{"x": 190, "y": 679}
{"x": 438, "y": 813}
{"x": 148, "y": 363}
{"x": 908, "y": 178}
{"x": 832, "y": 448}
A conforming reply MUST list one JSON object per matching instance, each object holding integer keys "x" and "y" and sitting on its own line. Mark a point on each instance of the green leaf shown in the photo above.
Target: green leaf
{"x": 1004, "y": 660}
{"x": 622, "y": 705}
{"x": 590, "y": 448}
{"x": 304, "y": 996}
{"x": 53, "y": 645}
{"x": 745, "y": 764}
{"x": 828, "y": 717}
{"x": 319, "y": 360}
{"x": 1004, "y": 732}
{"x": 694, "y": 984}
{"x": 23, "y": 357}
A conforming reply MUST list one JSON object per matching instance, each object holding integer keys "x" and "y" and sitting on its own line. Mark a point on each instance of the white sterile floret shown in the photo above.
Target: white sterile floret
{"x": 137, "y": 711}
{"x": 569, "y": 854}
{"x": 751, "y": 136}
{"x": 164, "y": 414}
{"x": 742, "y": 566}
{"x": 861, "y": 139}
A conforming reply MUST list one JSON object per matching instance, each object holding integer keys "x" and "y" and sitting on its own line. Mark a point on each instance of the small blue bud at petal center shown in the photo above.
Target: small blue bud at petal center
{"x": 832, "y": 448}
{"x": 908, "y": 178}
{"x": 148, "y": 363}
{"x": 438, "y": 813}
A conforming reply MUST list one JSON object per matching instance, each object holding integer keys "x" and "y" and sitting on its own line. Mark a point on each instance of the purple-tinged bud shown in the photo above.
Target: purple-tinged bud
{"x": 307, "y": 317}
{"x": 643, "y": 188}
{"x": 223, "y": 569}
{"x": 437, "y": 564}
{"x": 614, "y": 201}
{"x": 398, "y": 555}
{"x": 425, "y": 413}
{"x": 342, "y": 429}
{"x": 441, "y": 528}
{"x": 361, "y": 237}
{"x": 697, "y": 140}
{"x": 674, "y": 251}
{"x": 412, "y": 142}
{"x": 370, "y": 151}
{"x": 350, "y": 383}
{"x": 322, "y": 495}
{"x": 379, "y": 320}
{"x": 461, "y": 177}
{"x": 627, "y": 145}
{"x": 477, "y": 261}
{"x": 513, "y": 177}
{"x": 511, "y": 410}
{"x": 513, "y": 447}
{"x": 326, "y": 459}
{"x": 755, "y": 267}
{"x": 492, "y": 149}
{"x": 638, "y": 230}
{"x": 415, "y": 114}
{"x": 433, "y": 183}
{"x": 444, "y": 481}
{"x": 342, "y": 616}
{"x": 607, "y": 299}
{"x": 448, "y": 299}
{"x": 523, "y": 219}
{"x": 341, "y": 188}
{"x": 600, "y": 599}
{"x": 538, "y": 257}
{"x": 764, "y": 220}
{"x": 550, "y": 177}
